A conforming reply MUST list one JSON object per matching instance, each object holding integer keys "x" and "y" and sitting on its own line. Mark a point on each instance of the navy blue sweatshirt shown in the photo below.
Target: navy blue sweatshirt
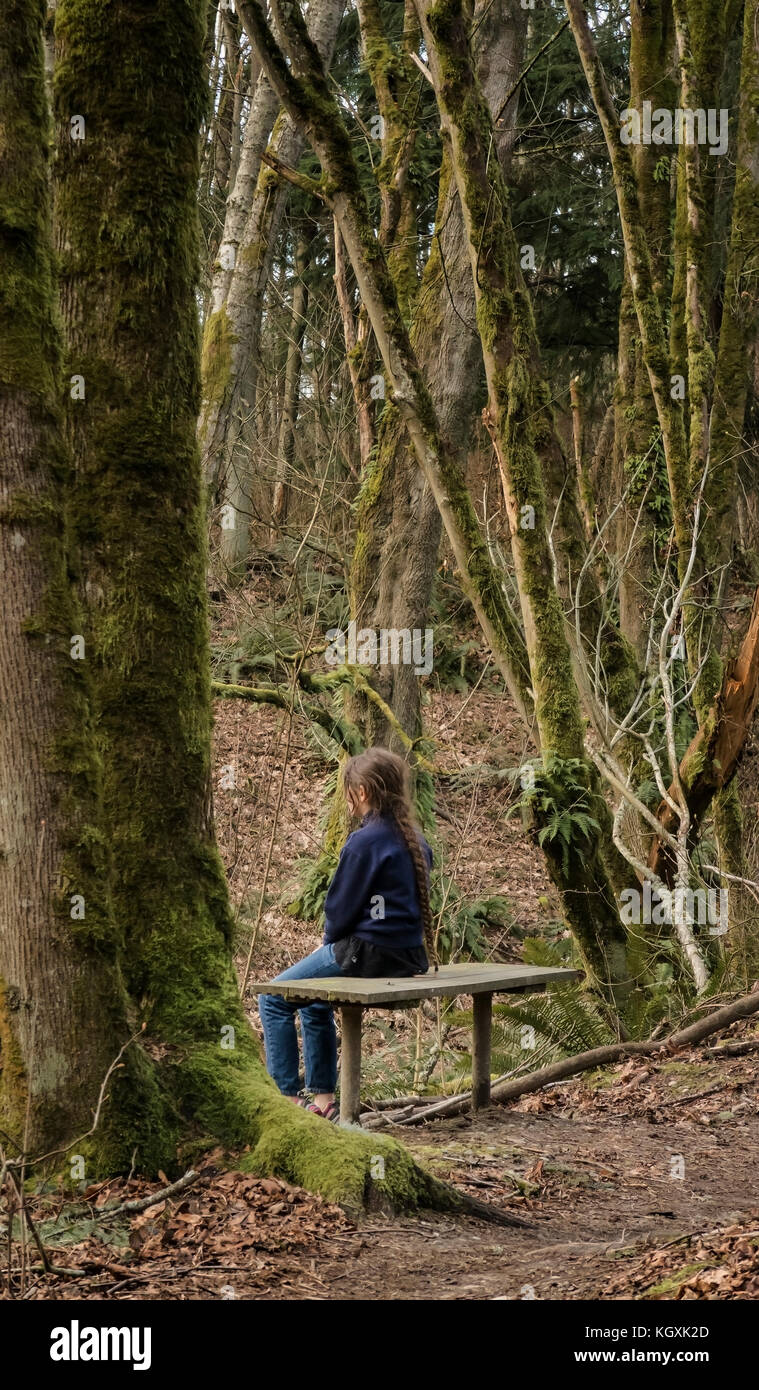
{"x": 373, "y": 894}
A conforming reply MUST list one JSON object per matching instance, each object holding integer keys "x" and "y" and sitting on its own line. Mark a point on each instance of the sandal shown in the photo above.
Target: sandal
{"x": 332, "y": 1113}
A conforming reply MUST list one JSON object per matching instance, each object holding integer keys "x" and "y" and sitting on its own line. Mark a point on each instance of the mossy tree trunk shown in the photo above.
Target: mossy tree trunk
{"x": 509, "y": 347}
{"x": 732, "y": 382}
{"x": 56, "y": 969}
{"x": 725, "y": 698}
{"x": 394, "y": 78}
{"x": 700, "y": 34}
{"x": 651, "y": 323}
{"x": 636, "y": 425}
{"x": 126, "y": 210}
{"x": 732, "y": 379}
{"x": 740, "y": 317}
{"x": 359, "y": 351}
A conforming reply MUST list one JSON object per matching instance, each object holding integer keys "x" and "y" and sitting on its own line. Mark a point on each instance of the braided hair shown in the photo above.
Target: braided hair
{"x": 384, "y": 777}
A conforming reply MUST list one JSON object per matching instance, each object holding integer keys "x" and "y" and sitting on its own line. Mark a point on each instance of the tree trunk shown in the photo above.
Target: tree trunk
{"x": 711, "y": 758}
{"x": 128, "y": 236}
{"x": 286, "y": 442}
{"x": 509, "y": 346}
{"x": 358, "y": 352}
{"x": 229, "y": 421}
{"x": 54, "y": 974}
{"x": 651, "y": 59}
{"x": 654, "y": 345}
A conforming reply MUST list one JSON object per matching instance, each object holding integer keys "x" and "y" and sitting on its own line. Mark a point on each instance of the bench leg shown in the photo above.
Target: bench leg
{"x": 482, "y": 1022}
{"x": 350, "y": 1063}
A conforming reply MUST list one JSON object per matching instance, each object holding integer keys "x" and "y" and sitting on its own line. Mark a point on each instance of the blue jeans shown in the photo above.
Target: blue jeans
{"x": 317, "y": 1026}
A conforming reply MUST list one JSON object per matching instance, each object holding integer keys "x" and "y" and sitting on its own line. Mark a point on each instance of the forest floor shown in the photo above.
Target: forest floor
{"x": 638, "y": 1182}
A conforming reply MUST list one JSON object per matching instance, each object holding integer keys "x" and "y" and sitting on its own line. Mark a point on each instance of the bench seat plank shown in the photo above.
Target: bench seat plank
{"x": 450, "y": 980}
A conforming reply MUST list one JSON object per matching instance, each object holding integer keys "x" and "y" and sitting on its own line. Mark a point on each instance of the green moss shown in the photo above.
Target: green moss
{"x": 13, "y": 1080}
{"x": 737, "y": 332}
{"x": 670, "y": 1287}
{"x": 216, "y": 361}
{"x": 689, "y": 1077}
{"x": 29, "y": 347}
{"x": 393, "y": 76}
{"x": 244, "y": 1109}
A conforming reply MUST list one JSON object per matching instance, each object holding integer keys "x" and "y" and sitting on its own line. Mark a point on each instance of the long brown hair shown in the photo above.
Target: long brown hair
{"x": 384, "y": 777}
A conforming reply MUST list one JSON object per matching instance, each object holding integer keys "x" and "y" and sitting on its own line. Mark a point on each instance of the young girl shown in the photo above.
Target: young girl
{"x": 377, "y": 922}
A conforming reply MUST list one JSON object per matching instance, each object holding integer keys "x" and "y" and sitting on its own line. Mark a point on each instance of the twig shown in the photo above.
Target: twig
{"x": 424, "y": 70}
{"x": 21, "y": 1162}
{"x": 734, "y": 1049}
{"x": 302, "y": 181}
{"x": 696, "y": 1095}
{"x": 142, "y": 1203}
{"x": 26, "y": 1220}
{"x": 512, "y": 92}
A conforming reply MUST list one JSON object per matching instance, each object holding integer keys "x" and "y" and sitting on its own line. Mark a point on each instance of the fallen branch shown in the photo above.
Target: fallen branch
{"x": 86, "y": 1267}
{"x": 597, "y": 1057}
{"x": 396, "y": 1104}
{"x": 139, "y": 1203}
{"x": 736, "y": 1049}
{"x": 695, "y": 1095}
{"x": 338, "y": 729}
{"x": 142, "y": 1203}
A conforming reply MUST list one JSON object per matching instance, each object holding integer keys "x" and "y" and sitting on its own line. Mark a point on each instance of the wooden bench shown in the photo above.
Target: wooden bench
{"x": 352, "y": 995}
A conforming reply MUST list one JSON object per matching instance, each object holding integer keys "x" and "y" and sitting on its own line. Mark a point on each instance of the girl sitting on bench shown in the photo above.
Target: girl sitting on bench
{"x": 377, "y": 923}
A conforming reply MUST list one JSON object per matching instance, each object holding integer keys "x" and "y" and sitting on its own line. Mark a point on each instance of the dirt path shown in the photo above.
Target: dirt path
{"x": 622, "y": 1176}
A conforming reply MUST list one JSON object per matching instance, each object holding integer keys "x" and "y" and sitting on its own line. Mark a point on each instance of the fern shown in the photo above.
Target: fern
{"x": 561, "y": 805}
{"x": 565, "y": 1017}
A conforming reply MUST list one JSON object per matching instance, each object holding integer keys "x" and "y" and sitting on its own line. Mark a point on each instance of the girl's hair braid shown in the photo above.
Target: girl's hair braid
{"x": 384, "y": 777}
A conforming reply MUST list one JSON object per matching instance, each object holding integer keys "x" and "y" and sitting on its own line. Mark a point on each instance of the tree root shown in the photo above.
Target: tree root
{"x": 234, "y": 1100}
